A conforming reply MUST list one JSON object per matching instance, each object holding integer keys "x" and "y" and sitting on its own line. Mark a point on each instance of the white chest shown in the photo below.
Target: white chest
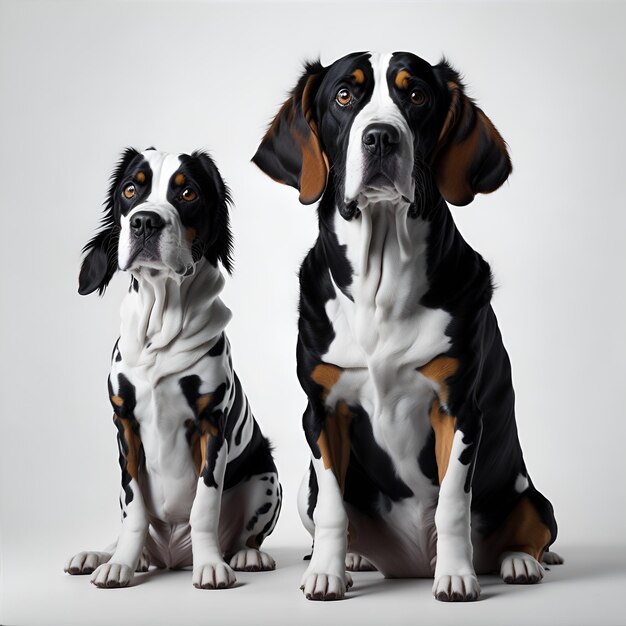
{"x": 384, "y": 334}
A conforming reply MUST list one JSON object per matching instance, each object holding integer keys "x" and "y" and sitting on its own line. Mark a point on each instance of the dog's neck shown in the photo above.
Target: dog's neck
{"x": 171, "y": 321}
{"x": 386, "y": 250}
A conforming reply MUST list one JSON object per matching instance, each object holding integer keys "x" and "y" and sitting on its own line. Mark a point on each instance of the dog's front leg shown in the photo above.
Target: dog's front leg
{"x": 119, "y": 570}
{"x": 326, "y": 577}
{"x": 455, "y": 579}
{"x": 210, "y": 571}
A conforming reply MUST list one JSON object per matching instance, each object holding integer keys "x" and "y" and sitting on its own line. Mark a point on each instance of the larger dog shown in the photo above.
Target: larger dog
{"x": 416, "y": 463}
{"x": 198, "y": 479}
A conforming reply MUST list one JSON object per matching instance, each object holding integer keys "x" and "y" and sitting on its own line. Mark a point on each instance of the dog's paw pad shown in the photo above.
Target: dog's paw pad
{"x": 112, "y": 575}
{"x": 519, "y": 568}
{"x": 456, "y": 588}
{"x": 552, "y": 558}
{"x": 324, "y": 587}
{"x": 358, "y": 563}
{"x": 85, "y": 562}
{"x": 213, "y": 576}
{"x": 252, "y": 560}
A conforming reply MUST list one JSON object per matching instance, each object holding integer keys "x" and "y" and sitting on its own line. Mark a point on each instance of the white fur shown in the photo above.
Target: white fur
{"x": 380, "y": 108}
{"x": 168, "y": 325}
{"x": 455, "y": 568}
{"x": 325, "y": 577}
{"x": 173, "y": 255}
{"x": 382, "y": 335}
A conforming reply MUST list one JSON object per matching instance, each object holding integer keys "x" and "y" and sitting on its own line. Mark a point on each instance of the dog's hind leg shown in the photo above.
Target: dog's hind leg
{"x": 525, "y": 537}
{"x": 262, "y": 495}
{"x": 552, "y": 558}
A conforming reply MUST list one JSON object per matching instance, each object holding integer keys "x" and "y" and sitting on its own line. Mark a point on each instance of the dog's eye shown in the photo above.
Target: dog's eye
{"x": 343, "y": 97}
{"x": 189, "y": 194}
{"x": 129, "y": 191}
{"x": 418, "y": 97}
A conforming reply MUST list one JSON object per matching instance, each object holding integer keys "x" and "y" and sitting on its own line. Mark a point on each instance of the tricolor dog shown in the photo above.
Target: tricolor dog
{"x": 416, "y": 465}
{"x": 198, "y": 480}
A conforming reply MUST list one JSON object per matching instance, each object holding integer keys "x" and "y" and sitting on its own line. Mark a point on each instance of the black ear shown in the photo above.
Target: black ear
{"x": 470, "y": 156}
{"x": 290, "y": 152}
{"x": 100, "y": 260}
{"x": 219, "y": 246}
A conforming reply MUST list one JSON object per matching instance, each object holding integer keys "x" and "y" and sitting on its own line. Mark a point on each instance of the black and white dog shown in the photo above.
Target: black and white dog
{"x": 416, "y": 464}
{"x": 198, "y": 479}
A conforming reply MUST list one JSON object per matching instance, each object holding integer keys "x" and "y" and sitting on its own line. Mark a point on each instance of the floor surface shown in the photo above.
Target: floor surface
{"x": 590, "y": 588}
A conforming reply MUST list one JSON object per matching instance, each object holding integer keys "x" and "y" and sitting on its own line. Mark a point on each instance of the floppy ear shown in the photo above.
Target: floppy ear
{"x": 470, "y": 156}
{"x": 100, "y": 260}
{"x": 290, "y": 152}
{"x": 220, "y": 245}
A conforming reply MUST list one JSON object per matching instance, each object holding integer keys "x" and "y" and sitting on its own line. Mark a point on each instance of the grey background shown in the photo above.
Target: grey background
{"x": 81, "y": 80}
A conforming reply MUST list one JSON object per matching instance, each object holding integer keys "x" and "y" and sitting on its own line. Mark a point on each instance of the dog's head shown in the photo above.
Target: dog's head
{"x": 163, "y": 212}
{"x": 383, "y": 128}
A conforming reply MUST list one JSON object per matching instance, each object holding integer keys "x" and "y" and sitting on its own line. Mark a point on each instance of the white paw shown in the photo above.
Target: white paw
{"x": 252, "y": 560}
{"x": 357, "y": 563}
{"x": 213, "y": 576}
{"x": 85, "y": 562}
{"x": 325, "y": 586}
{"x": 112, "y": 575}
{"x": 456, "y": 588}
{"x": 552, "y": 558}
{"x": 520, "y": 568}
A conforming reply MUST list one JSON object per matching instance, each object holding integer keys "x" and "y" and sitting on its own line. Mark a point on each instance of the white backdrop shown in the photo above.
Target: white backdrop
{"x": 81, "y": 80}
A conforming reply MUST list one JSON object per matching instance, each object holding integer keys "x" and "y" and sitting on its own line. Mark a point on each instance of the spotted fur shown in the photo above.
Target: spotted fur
{"x": 195, "y": 465}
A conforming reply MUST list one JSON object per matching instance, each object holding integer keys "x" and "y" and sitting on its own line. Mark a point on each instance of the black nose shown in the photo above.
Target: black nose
{"x": 146, "y": 223}
{"x": 381, "y": 139}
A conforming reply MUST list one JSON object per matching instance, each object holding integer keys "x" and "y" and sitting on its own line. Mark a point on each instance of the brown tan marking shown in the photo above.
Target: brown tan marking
{"x": 179, "y": 179}
{"x": 439, "y": 370}
{"x": 523, "y": 530}
{"x": 199, "y": 443}
{"x": 334, "y": 439}
{"x": 117, "y": 401}
{"x": 199, "y": 440}
{"x": 444, "y": 426}
{"x": 402, "y": 79}
{"x": 191, "y": 234}
{"x": 202, "y": 402}
{"x": 140, "y": 177}
{"x": 326, "y": 376}
{"x": 133, "y": 444}
{"x": 359, "y": 76}
{"x": 334, "y": 442}
{"x": 453, "y": 159}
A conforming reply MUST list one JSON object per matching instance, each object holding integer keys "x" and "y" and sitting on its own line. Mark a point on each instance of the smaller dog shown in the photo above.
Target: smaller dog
{"x": 198, "y": 480}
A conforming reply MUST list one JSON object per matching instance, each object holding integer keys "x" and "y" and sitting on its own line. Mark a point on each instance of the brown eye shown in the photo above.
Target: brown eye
{"x": 418, "y": 97}
{"x": 343, "y": 98}
{"x": 189, "y": 194}
{"x": 129, "y": 191}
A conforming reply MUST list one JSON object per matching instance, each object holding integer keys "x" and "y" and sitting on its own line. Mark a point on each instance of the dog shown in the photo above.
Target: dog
{"x": 198, "y": 480}
{"x": 416, "y": 466}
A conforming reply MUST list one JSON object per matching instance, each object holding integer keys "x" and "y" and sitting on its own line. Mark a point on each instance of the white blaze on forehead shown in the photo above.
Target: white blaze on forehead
{"x": 163, "y": 166}
{"x": 380, "y": 109}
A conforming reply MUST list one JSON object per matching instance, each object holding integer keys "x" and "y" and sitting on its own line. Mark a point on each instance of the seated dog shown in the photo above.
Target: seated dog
{"x": 198, "y": 479}
{"x": 416, "y": 464}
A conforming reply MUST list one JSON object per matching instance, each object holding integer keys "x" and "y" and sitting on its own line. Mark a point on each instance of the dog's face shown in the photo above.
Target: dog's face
{"x": 164, "y": 212}
{"x": 383, "y": 128}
